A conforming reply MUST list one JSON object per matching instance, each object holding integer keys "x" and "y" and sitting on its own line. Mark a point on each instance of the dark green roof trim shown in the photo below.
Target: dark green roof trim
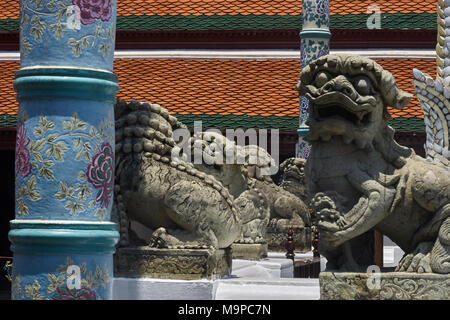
{"x": 8, "y": 121}
{"x": 246, "y": 122}
{"x": 226, "y": 22}
{"x": 408, "y": 124}
{"x": 9, "y": 25}
{"x": 388, "y": 21}
{"x": 285, "y": 123}
{"x": 245, "y": 22}
{"x": 232, "y": 22}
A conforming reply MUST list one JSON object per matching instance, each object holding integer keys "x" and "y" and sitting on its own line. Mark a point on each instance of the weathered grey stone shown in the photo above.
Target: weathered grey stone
{"x": 153, "y": 192}
{"x": 187, "y": 264}
{"x": 210, "y": 205}
{"x": 446, "y": 153}
{"x": 256, "y": 251}
{"x": 392, "y": 286}
{"x": 429, "y": 81}
{"x": 259, "y": 199}
{"x": 433, "y": 114}
{"x": 446, "y": 93}
{"x": 418, "y": 74}
{"x": 292, "y": 177}
{"x": 358, "y": 175}
{"x": 438, "y": 85}
{"x": 437, "y": 148}
{"x": 277, "y": 237}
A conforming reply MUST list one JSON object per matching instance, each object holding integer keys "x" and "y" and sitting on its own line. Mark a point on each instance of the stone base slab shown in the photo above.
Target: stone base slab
{"x": 220, "y": 289}
{"x": 163, "y": 289}
{"x": 389, "y": 286}
{"x": 186, "y": 264}
{"x": 277, "y": 237}
{"x": 247, "y": 251}
{"x": 267, "y": 268}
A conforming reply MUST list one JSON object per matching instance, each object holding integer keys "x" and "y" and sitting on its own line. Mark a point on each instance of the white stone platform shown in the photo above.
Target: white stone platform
{"x": 268, "y": 279}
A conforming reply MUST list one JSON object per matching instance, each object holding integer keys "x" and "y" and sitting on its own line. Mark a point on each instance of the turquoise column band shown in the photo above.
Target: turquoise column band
{"x": 63, "y": 237}
{"x": 302, "y": 132}
{"x": 319, "y": 33}
{"x": 66, "y": 83}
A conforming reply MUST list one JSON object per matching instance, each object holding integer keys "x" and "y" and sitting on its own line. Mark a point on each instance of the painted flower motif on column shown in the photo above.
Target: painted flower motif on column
{"x": 23, "y": 165}
{"x": 323, "y": 7}
{"x": 64, "y": 293}
{"x": 324, "y": 51}
{"x": 316, "y": 12}
{"x": 90, "y": 10}
{"x": 94, "y": 280}
{"x": 100, "y": 173}
{"x": 39, "y": 19}
{"x": 304, "y": 105}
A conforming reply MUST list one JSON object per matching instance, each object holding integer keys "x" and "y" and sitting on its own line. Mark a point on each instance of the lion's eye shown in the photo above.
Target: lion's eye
{"x": 321, "y": 78}
{"x": 363, "y": 85}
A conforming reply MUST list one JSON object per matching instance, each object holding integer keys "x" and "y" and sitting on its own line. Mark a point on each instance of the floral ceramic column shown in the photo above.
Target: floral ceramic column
{"x": 314, "y": 37}
{"x": 61, "y": 237}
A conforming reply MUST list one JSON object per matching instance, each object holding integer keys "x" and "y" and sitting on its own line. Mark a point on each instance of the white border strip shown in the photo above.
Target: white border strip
{"x": 249, "y": 54}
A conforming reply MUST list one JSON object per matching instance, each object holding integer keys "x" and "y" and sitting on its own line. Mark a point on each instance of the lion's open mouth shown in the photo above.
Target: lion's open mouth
{"x": 332, "y": 111}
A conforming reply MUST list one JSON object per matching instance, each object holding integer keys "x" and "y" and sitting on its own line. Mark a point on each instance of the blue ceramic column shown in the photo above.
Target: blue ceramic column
{"x": 61, "y": 237}
{"x": 315, "y": 42}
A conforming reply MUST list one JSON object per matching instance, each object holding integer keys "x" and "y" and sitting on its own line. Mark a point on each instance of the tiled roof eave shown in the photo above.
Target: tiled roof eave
{"x": 256, "y": 22}
{"x": 285, "y": 123}
{"x": 224, "y": 92}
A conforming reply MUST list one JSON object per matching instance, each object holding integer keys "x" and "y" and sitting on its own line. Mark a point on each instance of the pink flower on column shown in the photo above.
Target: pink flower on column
{"x": 23, "y": 165}
{"x": 90, "y": 10}
{"x": 64, "y": 293}
{"x": 100, "y": 173}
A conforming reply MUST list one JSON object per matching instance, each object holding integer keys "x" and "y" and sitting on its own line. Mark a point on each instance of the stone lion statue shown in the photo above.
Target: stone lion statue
{"x": 187, "y": 205}
{"x": 359, "y": 177}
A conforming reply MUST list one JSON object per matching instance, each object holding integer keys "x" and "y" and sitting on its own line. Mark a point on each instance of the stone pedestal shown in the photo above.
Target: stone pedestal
{"x": 389, "y": 286}
{"x": 276, "y": 238}
{"x": 186, "y": 264}
{"x": 247, "y": 251}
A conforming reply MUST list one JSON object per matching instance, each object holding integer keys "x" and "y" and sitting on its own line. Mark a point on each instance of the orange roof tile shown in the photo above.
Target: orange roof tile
{"x": 260, "y": 7}
{"x": 8, "y": 103}
{"x": 9, "y": 9}
{"x": 220, "y": 87}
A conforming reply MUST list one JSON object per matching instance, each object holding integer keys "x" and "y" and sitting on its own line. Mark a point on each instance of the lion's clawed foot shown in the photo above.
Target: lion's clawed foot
{"x": 161, "y": 239}
{"x": 418, "y": 261}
